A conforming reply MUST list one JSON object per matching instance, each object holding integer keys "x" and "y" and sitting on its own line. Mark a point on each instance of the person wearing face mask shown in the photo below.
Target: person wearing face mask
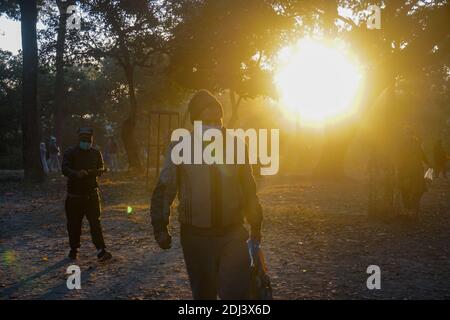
{"x": 214, "y": 202}
{"x": 82, "y": 165}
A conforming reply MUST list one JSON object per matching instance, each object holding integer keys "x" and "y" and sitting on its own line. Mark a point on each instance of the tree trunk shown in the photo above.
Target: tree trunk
{"x": 332, "y": 161}
{"x": 59, "y": 77}
{"x": 129, "y": 125}
{"x": 31, "y": 134}
{"x": 334, "y": 151}
{"x": 234, "y": 108}
{"x": 381, "y": 184}
{"x": 382, "y": 160}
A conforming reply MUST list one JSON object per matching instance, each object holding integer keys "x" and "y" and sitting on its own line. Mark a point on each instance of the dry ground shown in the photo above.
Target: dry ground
{"x": 317, "y": 240}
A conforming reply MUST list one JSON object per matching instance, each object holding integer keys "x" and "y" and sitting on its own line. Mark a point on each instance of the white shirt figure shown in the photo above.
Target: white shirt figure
{"x": 43, "y": 154}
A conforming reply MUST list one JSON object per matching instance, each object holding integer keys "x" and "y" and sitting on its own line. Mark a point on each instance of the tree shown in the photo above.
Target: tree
{"x": 60, "y": 90}
{"x": 30, "y": 126}
{"x": 132, "y": 33}
{"x": 410, "y": 42}
{"x": 226, "y": 46}
{"x": 31, "y": 134}
{"x": 411, "y": 37}
{"x": 10, "y": 104}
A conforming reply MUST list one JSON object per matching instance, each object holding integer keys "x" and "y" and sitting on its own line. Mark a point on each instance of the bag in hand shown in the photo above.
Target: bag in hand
{"x": 260, "y": 287}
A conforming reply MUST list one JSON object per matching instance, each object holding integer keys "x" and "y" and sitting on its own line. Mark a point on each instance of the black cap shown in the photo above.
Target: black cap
{"x": 85, "y": 131}
{"x": 201, "y": 100}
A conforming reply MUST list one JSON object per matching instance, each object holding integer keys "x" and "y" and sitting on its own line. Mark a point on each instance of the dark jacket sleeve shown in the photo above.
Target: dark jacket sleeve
{"x": 253, "y": 210}
{"x": 100, "y": 165}
{"x": 164, "y": 194}
{"x": 424, "y": 158}
{"x": 67, "y": 164}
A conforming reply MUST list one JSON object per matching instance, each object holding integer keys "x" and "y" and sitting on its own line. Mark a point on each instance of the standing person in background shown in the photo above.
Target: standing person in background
{"x": 83, "y": 164}
{"x": 440, "y": 159}
{"x": 411, "y": 172}
{"x": 54, "y": 153}
{"x": 43, "y": 155}
{"x": 111, "y": 151}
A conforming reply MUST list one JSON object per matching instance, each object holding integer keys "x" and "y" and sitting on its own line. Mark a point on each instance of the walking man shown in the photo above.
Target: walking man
{"x": 214, "y": 200}
{"x": 83, "y": 164}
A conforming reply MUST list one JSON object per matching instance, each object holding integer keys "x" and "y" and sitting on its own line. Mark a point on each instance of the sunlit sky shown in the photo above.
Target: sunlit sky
{"x": 10, "y": 38}
{"x": 318, "y": 82}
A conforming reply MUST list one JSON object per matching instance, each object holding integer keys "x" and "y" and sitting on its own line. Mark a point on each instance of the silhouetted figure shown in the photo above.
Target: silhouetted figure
{"x": 111, "y": 151}
{"x": 411, "y": 172}
{"x": 54, "y": 152}
{"x": 213, "y": 202}
{"x": 83, "y": 164}
{"x": 440, "y": 159}
{"x": 43, "y": 155}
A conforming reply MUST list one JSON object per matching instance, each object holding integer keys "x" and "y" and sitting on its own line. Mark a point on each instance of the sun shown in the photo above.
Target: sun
{"x": 318, "y": 83}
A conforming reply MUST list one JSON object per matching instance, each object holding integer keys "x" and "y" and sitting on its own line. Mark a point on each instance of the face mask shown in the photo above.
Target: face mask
{"x": 206, "y": 127}
{"x": 85, "y": 145}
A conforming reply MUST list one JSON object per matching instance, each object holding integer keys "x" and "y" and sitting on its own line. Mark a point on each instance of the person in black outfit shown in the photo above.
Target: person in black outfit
{"x": 83, "y": 164}
{"x": 440, "y": 159}
{"x": 411, "y": 172}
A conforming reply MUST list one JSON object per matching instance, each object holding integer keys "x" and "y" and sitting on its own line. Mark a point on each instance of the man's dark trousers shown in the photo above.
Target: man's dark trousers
{"x": 77, "y": 206}
{"x": 217, "y": 265}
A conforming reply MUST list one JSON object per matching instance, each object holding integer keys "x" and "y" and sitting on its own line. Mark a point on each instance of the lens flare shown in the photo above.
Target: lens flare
{"x": 9, "y": 257}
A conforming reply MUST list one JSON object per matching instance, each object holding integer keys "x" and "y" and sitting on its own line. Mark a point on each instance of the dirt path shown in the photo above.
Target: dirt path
{"x": 317, "y": 239}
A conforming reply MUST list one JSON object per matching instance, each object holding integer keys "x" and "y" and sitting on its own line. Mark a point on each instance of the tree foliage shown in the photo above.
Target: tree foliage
{"x": 227, "y": 45}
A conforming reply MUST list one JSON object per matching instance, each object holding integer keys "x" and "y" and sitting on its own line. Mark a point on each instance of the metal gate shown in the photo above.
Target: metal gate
{"x": 166, "y": 122}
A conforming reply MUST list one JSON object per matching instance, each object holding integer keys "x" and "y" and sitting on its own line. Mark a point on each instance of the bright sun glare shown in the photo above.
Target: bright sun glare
{"x": 317, "y": 83}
